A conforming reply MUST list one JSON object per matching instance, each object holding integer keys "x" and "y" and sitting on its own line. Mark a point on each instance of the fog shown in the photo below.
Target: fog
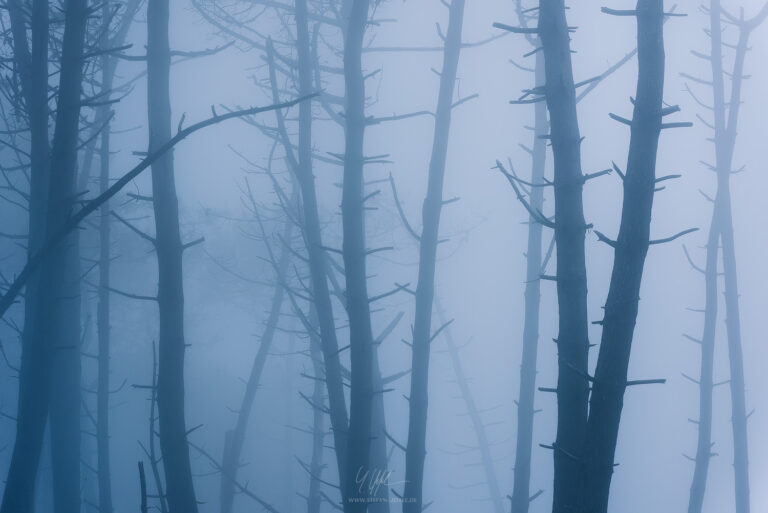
{"x": 236, "y": 191}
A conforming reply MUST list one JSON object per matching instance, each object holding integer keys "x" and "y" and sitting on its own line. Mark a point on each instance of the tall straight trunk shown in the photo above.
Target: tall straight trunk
{"x": 706, "y": 380}
{"x": 170, "y": 293}
{"x": 630, "y": 250}
{"x": 235, "y": 438}
{"x": 354, "y": 255}
{"x": 49, "y": 356}
{"x": 483, "y": 445}
{"x": 521, "y": 496}
{"x": 726, "y": 116}
{"x": 425, "y": 290}
{"x": 570, "y": 230}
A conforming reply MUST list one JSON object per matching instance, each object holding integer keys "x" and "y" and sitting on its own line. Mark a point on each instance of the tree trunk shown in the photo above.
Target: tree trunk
{"x": 521, "y": 495}
{"x": 630, "y": 250}
{"x": 354, "y": 254}
{"x": 235, "y": 438}
{"x": 302, "y": 167}
{"x": 570, "y": 230}
{"x": 706, "y": 381}
{"x": 726, "y": 123}
{"x": 170, "y": 293}
{"x": 422, "y": 332}
{"x": 50, "y": 353}
{"x": 483, "y": 446}
{"x": 32, "y": 67}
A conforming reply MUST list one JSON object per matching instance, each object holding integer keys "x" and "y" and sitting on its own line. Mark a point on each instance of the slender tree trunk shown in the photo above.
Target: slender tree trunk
{"x": 706, "y": 381}
{"x": 316, "y": 252}
{"x": 235, "y": 438}
{"x": 314, "y": 499}
{"x": 570, "y": 230}
{"x": 630, "y": 250}
{"x": 170, "y": 381}
{"x": 726, "y": 123}
{"x": 422, "y": 332}
{"x": 354, "y": 253}
{"x": 521, "y": 495}
{"x": 483, "y": 446}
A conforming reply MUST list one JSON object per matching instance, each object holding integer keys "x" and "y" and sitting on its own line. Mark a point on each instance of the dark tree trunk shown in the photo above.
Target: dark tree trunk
{"x": 425, "y": 290}
{"x": 521, "y": 495}
{"x": 354, "y": 253}
{"x": 32, "y": 67}
{"x": 630, "y": 250}
{"x": 170, "y": 293}
{"x": 570, "y": 230}
{"x": 51, "y": 345}
{"x": 235, "y": 438}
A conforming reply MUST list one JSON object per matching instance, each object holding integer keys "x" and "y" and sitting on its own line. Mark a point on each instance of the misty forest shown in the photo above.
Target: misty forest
{"x": 373, "y": 256}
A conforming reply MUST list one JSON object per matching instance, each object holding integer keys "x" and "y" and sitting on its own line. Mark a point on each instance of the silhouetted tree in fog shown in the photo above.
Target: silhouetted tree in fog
{"x": 169, "y": 247}
{"x": 725, "y": 112}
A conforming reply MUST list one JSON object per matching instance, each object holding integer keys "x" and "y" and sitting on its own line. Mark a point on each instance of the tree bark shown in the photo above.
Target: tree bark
{"x": 170, "y": 381}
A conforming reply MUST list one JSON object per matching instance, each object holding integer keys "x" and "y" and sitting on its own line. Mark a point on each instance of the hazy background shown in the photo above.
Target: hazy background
{"x": 481, "y": 273}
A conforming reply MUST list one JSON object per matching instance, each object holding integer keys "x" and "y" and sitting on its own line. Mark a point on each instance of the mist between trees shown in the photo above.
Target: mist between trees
{"x": 370, "y": 255}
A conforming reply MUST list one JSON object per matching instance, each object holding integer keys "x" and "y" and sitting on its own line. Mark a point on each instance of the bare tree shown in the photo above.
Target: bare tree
{"x": 725, "y": 123}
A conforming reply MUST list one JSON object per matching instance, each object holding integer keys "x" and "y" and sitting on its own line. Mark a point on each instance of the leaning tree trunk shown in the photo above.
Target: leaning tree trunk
{"x": 425, "y": 290}
{"x": 570, "y": 230}
{"x": 354, "y": 255}
{"x": 235, "y": 438}
{"x": 521, "y": 495}
{"x": 483, "y": 445}
{"x": 170, "y": 293}
{"x": 301, "y": 165}
{"x": 630, "y": 250}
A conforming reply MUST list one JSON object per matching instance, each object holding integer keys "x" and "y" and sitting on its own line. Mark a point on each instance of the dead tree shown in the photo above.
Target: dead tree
{"x": 108, "y": 64}
{"x": 235, "y": 438}
{"x": 425, "y": 289}
{"x": 354, "y": 254}
{"x": 484, "y": 446}
{"x": 725, "y": 123}
{"x": 58, "y": 278}
{"x": 630, "y": 249}
{"x": 570, "y": 230}
{"x": 169, "y": 247}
